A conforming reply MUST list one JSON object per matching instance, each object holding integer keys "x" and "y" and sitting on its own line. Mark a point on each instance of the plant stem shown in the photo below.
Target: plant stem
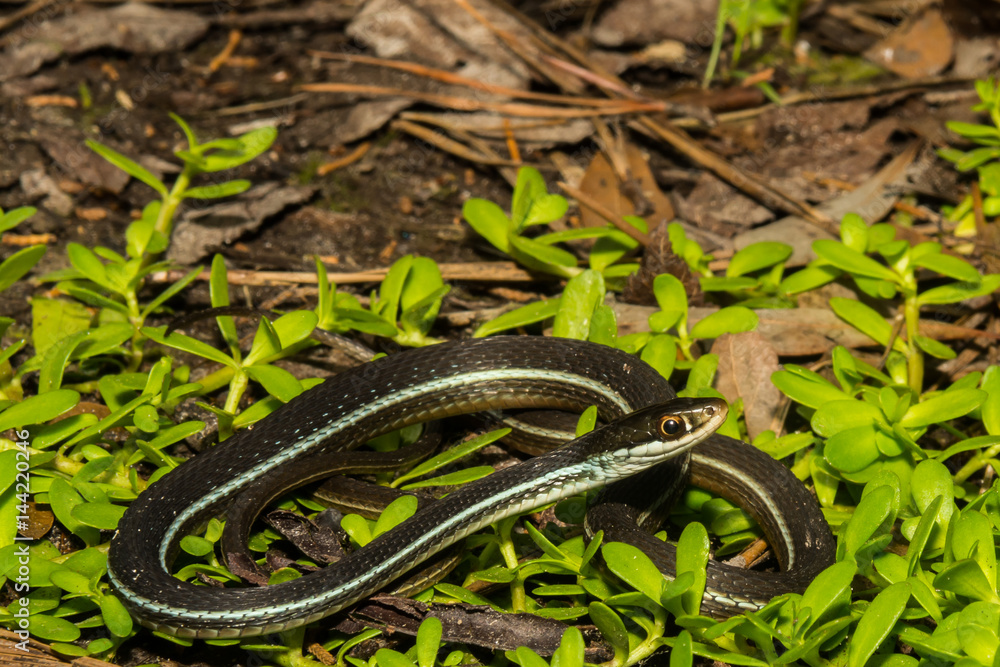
{"x": 652, "y": 641}
{"x": 518, "y": 601}
{"x": 914, "y": 357}
{"x": 165, "y": 220}
{"x": 976, "y": 463}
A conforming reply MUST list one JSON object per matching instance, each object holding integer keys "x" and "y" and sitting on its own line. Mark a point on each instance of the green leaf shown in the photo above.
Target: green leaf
{"x": 227, "y": 189}
{"x": 920, "y": 536}
{"x": 863, "y": 318}
{"x": 386, "y": 657}
{"x": 612, "y": 627}
{"x": 972, "y": 130}
{"x": 546, "y": 208}
{"x": 531, "y": 203}
{"x": 582, "y": 295}
{"x": 681, "y": 654}
{"x": 99, "y": 515}
{"x": 391, "y": 289}
{"x": 990, "y": 408}
{"x": 54, "y": 319}
{"x": 188, "y": 344}
{"x": 757, "y": 256}
{"x": 603, "y": 326}
{"x": 53, "y": 629}
{"x": 571, "y": 649}
{"x": 946, "y": 265}
{"x": 810, "y": 390}
{"x": 851, "y": 261}
{"x": 972, "y": 537}
{"x": 716, "y": 284}
{"x": 141, "y": 236}
{"x": 223, "y": 154}
{"x": 451, "y": 455}
{"x": 71, "y": 582}
{"x": 812, "y": 277}
{"x": 852, "y": 449}
{"x": 836, "y": 416}
{"x": 692, "y": 556}
{"x": 661, "y": 353}
{"x": 979, "y": 642}
{"x": 63, "y": 499}
{"x": 357, "y": 528}
{"x": 196, "y": 545}
{"x": 17, "y": 265}
{"x": 955, "y": 292}
{"x": 38, "y": 409}
{"x": 87, "y": 263}
{"x": 635, "y": 568}
{"x": 14, "y": 217}
{"x": 934, "y": 348}
{"x": 966, "y": 578}
{"x": 828, "y": 594}
{"x": 453, "y": 478}
{"x": 130, "y": 167}
{"x": 398, "y": 511}
{"x": 489, "y": 221}
{"x": 732, "y": 319}
{"x": 873, "y": 517}
{"x": 701, "y": 374}
{"x": 943, "y": 407}
{"x": 428, "y": 641}
{"x": 421, "y": 296}
{"x": 116, "y": 618}
{"x": 277, "y": 381}
{"x": 672, "y": 299}
{"x": 171, "y": 291}
{"x": 525, "y": 657}
{"x": 877, "y": 622}
{"x": 854, "y": 232}
{"x": 543, "y": 257}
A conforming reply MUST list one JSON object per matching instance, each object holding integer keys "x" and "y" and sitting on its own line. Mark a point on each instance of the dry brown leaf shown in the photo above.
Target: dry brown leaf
{"x": 746, "y": 362}
{"x": 640, "y": 195}
{"x": 920, "y": 47}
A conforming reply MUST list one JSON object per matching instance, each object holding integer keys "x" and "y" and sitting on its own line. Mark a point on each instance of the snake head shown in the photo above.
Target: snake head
{"x": 662, "y": 431}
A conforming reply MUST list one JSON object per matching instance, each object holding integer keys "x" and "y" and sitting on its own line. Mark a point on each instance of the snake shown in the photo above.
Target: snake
{"x": 647, "y": 432}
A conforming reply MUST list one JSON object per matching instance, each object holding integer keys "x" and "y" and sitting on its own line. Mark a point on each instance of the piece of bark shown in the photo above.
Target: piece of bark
{"x": 470, "y": 624}
{"x": 135, "y": 27}
{"x": 202, "y": 230}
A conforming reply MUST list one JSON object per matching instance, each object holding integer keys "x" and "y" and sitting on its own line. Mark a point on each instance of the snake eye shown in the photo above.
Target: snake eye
{"x": 671, "y": 426}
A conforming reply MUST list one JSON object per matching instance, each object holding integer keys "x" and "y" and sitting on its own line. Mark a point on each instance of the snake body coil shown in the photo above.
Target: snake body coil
{"x": 445, "y": 380}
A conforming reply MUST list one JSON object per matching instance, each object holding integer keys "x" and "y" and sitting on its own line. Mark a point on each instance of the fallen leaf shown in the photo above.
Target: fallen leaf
{"x": 638, "y": 195}
{"x": 920, "y": 47}
{"x": 746, "y": 362}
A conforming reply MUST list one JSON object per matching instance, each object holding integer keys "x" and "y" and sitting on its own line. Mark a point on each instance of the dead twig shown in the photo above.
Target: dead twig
{"x": 467, "y": 104}
{"x": 503, "y": 272}
{"x": 342, "y": 162}
{"x": 450, "y": 145}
